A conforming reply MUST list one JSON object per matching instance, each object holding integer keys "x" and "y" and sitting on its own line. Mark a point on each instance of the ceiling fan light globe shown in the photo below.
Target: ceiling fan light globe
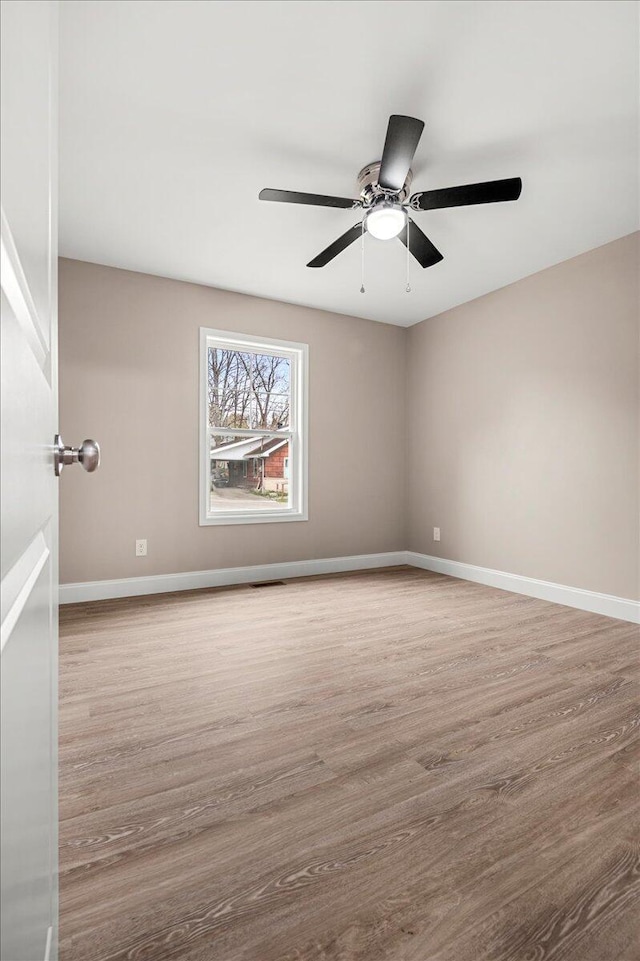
{"x": 386, "y": 221}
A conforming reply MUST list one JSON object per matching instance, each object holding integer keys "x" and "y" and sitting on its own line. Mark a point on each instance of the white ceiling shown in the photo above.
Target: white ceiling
{"x": 175, "y": 114}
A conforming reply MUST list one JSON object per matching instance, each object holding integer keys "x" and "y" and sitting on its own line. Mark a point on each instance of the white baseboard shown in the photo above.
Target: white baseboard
{"x": 607, "y": 604}
{"x": 224, "y": 577}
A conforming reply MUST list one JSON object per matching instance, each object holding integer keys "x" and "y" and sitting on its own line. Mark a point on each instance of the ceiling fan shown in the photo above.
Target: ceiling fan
{"x": 384, "y": 197}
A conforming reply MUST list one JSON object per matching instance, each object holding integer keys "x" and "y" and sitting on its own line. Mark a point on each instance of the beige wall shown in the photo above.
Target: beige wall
{"x": 129, "y": 378}
{"x": 523, "y": 426}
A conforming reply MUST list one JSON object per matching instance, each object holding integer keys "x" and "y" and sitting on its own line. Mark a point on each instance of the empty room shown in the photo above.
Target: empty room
{"x": 320, "y": 480}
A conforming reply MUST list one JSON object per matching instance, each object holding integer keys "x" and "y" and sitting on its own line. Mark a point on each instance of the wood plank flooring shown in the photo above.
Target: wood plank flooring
{"x": 383, "y": 766}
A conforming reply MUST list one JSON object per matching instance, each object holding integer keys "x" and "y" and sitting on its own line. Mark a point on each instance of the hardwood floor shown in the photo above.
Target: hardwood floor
{"x": 388, "y": 765}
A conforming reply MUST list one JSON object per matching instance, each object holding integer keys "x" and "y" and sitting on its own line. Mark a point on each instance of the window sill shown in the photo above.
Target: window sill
{"x": 252, "y": 517}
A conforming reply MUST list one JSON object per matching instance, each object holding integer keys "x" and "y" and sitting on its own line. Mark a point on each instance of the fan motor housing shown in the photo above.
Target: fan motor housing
{"x": 371, "y": 191}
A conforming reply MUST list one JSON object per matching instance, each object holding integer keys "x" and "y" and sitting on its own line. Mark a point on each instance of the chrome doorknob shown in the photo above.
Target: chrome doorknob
{"x": 88, "y": 454}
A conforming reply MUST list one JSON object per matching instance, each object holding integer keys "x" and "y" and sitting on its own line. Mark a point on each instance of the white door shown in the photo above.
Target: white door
{"x": 29, "y": 536}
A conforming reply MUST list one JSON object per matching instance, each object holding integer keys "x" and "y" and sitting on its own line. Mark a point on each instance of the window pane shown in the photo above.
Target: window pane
{"x": 249, "y": 473}
{"x": 248, "y": 390}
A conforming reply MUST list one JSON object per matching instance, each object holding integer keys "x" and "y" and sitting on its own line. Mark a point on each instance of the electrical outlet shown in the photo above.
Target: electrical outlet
{"x": 141, "y": 548}
{"x": 436, "y": 533}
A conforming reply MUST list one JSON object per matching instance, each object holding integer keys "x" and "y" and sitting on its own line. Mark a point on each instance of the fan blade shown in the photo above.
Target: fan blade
{"x": 420, "y": 246}
{"x": 403, "y": 134}
{"x": 318, "y": 200}
{"x": 491, "y": 192}
{"x": 337, "y": 247}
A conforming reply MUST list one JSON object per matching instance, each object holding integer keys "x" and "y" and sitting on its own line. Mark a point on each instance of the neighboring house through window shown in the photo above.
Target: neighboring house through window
{"x": 253, "y": 429}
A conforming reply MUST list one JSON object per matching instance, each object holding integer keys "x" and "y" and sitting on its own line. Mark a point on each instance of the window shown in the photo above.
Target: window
{"x": 253, "y": 429}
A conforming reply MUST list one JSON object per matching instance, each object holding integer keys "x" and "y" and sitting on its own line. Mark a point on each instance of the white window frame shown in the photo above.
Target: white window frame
{"x": 296, "y": 433}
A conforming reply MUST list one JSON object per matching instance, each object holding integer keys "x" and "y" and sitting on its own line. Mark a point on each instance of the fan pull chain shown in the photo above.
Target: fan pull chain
{"x": 408, "y": 287}
{"x": 362, "y": 258}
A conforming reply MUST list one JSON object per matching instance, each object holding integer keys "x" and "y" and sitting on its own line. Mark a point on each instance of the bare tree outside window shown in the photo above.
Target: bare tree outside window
{"x": 248, "y": 390}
